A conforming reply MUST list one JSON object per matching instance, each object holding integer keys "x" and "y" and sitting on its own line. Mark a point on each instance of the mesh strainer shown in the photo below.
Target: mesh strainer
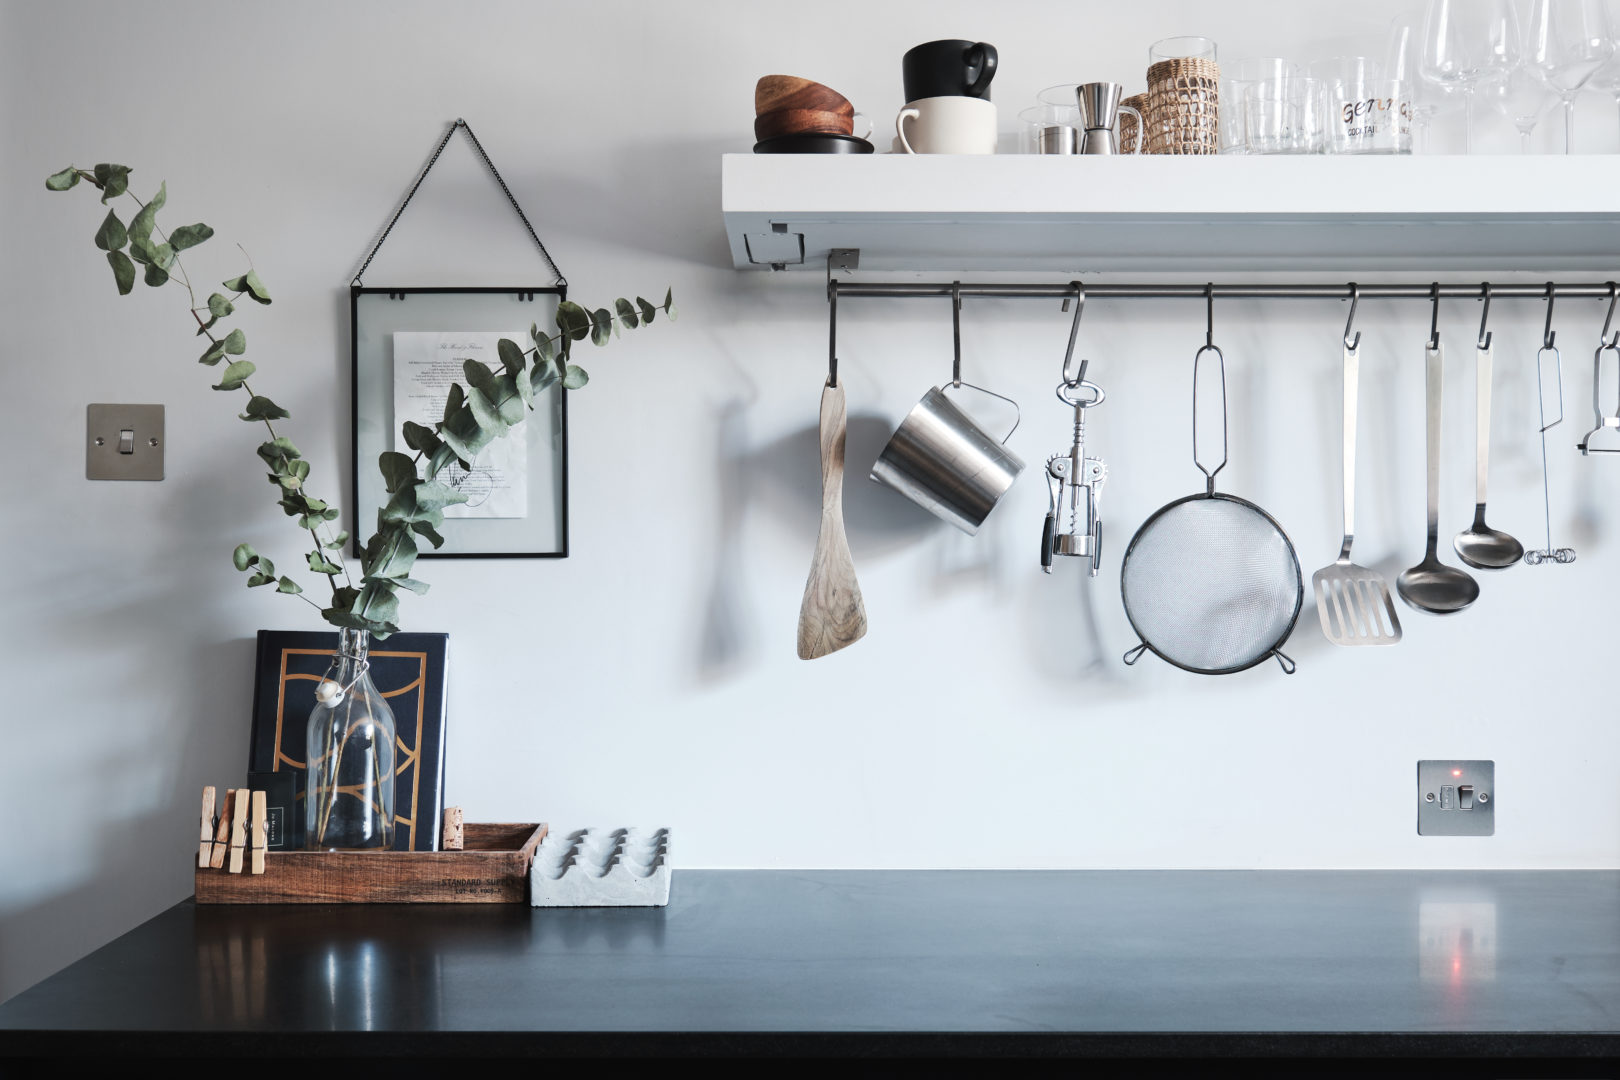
{"x": 1211, "y": 582}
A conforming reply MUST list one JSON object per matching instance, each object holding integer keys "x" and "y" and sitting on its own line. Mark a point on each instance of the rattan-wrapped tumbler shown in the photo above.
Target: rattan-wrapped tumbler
{"x": 1183, "y": 107}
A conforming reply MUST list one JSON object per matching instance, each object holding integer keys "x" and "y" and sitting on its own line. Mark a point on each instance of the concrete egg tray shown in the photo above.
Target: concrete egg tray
{"x": 601, "y": 868}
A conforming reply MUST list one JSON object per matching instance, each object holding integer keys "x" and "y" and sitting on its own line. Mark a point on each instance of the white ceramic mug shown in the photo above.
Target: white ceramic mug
{"x": 947, "y": 125}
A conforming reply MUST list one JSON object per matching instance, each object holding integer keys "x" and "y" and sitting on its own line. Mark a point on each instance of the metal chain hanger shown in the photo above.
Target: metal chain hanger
{"x": 462, "y": 125}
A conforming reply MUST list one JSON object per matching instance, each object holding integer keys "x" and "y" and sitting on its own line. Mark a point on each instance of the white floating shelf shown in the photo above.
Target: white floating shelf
{"x": 1174, "y": 214}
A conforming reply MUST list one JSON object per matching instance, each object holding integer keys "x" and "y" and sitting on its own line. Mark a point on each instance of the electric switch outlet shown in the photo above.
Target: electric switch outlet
{"x": 1456, "y": 798}
{"x": 124, "y": 442}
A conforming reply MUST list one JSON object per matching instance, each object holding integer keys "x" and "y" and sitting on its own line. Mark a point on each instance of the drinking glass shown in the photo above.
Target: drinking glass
{"x": 1051, "y": 129}
{"x": 1181, "y": 48}
{"x": 1236, "y": 78}
{"x": 1521, "y": 97}
{"x": 1462, "y": 39}
{"x": 1282, "y": 116}
{"x": 1569, "y": 42}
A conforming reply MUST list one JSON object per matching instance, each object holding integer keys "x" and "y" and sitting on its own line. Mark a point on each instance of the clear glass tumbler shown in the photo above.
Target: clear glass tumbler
{"x": 1282, "y": 116}
{"x": 1236, "y": 78}
{"x": 1051, "y": 129}
{"x": 1181, "y": 48}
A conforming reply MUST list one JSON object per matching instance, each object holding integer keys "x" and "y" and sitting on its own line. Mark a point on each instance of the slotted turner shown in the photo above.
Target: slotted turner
{"x": 1353, "y": 601}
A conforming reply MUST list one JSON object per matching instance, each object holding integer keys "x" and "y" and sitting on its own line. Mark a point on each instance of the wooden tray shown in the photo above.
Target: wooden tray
{"x": 494, "y": 869}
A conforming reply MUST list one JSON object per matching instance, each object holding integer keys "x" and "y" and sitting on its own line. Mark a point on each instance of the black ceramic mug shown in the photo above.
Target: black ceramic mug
{"x": 949, "y": 68}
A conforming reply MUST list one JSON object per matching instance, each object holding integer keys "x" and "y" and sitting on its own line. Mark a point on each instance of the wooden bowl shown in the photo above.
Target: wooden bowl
{"x": 801, "y": 122}
{"x": 776, "y": 92}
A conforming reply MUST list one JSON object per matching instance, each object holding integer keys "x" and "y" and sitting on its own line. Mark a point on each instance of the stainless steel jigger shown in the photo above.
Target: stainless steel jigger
{"x": 1075, "y": 483}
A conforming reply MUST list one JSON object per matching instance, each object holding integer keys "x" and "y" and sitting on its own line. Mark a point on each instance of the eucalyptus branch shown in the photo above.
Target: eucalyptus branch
{"x": 491, "y": 404}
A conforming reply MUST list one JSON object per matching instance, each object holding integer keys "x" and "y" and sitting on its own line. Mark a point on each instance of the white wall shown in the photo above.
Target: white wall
{"x": 651, "y": 678}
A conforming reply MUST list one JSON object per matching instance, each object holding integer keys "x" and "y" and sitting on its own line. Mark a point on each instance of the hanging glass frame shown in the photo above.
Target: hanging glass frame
{"x": 407, "y": 346}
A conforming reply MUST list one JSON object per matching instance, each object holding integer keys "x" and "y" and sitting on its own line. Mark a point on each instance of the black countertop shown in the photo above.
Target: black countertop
{"x": 1117, "y": 963}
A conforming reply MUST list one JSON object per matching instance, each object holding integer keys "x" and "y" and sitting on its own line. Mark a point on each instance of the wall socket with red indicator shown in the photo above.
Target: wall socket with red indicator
{"x": 1456, "y": 798}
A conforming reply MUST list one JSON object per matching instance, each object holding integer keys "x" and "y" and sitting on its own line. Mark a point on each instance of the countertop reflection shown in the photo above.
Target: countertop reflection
{"x": 887, "y": 951}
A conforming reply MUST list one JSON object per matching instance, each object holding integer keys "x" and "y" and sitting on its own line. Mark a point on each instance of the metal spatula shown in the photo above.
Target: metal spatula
{"x": 1353, "y": 601}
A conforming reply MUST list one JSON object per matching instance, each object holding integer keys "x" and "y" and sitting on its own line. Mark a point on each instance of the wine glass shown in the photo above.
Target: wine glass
{"x": 1607, "y": 78}
{"x": 1465, "y": 39}
{"x": 1519, "y": 96}
{"x": 1569, "y": 42}
{"x": 1403, "y": 62}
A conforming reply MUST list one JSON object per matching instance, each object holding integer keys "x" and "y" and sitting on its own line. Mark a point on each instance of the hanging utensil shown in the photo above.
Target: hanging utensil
{"x": 1605, "y": 437}
{"x": 1353, "y": 602}
{"x": 1549, "y": 554}
{"x": 832, "y": 615}
{"x": 1211, "y": 583}
{"x": 1074, "y": 481}
{"x": 1479, "y": 545}
{"x": 1431, "y": 585}
{"x": 942, "y": 460}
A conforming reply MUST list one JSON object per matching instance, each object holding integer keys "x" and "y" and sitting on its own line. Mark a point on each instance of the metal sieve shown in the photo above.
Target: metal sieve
{"x": 1210, "y": 582}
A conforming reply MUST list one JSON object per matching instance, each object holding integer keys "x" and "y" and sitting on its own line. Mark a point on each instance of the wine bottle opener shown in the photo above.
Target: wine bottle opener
{"x": 1075, "y": 482}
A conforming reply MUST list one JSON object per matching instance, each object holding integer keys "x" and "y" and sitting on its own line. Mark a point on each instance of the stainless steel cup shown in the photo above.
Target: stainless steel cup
{"x": 945, "y": 463}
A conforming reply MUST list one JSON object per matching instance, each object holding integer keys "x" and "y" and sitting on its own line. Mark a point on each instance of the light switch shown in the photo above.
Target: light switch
{"x": 1456, "y": 798}
{"x": 124, "y": 442}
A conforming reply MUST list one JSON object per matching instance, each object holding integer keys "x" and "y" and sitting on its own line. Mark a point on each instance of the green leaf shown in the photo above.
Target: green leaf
{"x": 545, "y": 350}
{"x": 576, "y": 377}
{"x": 525, "y": 389}
{"x": 203, "y": 328}
{"x": 453, "y": 401}
{"x": 218, "y": 306}
{"x": 236, "y": 343}
{"x": 432, "y": 496}
{"x": 112, "y": 235}
{"x": 244, "y": 556}
{"x": 573, "y": 320}
{"x": 601, "y": 327}
{"x": 258, "y": 579}
{"x": 213, "y": 354}
{"x": 484, "y": 411}
{"x": 511, "y": 356}
{"x": 114, "y": 180}
{"x": 477, "y": 374}
{"x": 331, "y": 514}
{"x": 155, "y": 275}
{"x": 288, "y": 586}
{"x": 401, "y": 507}
{"x": 249, "y": 283}
{"x": 397, "y": 470}
{"x": 647, "y": 310}
{"x": 669, "y": 303}
{"x": 627, "y": 313}
{"x": 337, "y": 542}
{"x": 377, "y": 602}
{"x": 427, "y": 532}
{"x": 123, "y": 271}
{"x": 140, "y": 228}
{"x": 319, "y": 564}
{"x": 503, "y": 395}
{"x": 278, "y": 452}
{"x": 189, "y": 236}
{"x": 420, "y": 588}
{"x": 63, "y": 180}
{"x": 463, "y": 434}
{"x": 236, "y": 373}
{"x": 443, "y": 454}
{"x": 419, "y": 437}
{"x": 260, "y": 407}
{"x": 391, "y": 553}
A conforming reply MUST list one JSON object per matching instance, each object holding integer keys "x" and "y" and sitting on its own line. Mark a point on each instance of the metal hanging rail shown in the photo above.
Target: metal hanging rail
{"x": 1603, "y": 290}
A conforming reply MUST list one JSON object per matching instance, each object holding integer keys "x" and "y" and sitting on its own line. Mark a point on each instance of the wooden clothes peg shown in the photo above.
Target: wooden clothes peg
{"x": 261, "y": 838}
{"x": 222, "y": 833}
{"x": 205, "y": 837}
{"x": 239, "y": 829}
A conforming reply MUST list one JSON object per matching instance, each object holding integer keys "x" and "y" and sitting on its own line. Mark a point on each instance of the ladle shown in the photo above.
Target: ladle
{"x": 1479, "y": 545}
{"x": 1432, "y": 586}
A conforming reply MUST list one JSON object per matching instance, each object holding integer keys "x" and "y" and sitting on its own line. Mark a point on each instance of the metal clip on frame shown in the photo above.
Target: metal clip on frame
{"x": 1604, "y": 438}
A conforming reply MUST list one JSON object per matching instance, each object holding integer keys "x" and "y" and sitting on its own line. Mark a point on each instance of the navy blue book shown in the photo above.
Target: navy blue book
{"x": 408, "y": 670}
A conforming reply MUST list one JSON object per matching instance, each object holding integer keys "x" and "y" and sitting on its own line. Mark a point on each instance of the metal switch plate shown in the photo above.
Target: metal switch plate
{"x": 1456, "y": 798}
{"x": 124, "y": 442}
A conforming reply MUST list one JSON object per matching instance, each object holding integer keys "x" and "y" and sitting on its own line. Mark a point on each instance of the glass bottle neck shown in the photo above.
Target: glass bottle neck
{"x": 350, "y": 660}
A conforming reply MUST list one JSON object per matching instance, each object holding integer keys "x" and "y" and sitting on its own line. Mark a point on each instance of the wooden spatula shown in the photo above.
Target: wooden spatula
{"x": 832, "y": 615}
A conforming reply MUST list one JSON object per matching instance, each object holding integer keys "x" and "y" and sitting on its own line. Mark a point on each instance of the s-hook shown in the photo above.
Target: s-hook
{"x": 1352, "y": 343}
{"x": 1078, "y": 377}
{"x": 956, "y": 333}
{"x": 1484, "y": 318}
{"x": 1604, "y": 422}
{"x": 832, "y": 332}
{"x": 1547, "y": 332}
{"x": 1434, "y": 316}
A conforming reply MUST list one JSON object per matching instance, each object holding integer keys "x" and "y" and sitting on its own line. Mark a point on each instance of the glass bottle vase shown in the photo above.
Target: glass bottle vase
{"x": 349, "y": 801}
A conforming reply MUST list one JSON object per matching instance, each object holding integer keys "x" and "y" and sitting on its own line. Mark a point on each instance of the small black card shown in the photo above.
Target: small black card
{"x": 284, "y": 807}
